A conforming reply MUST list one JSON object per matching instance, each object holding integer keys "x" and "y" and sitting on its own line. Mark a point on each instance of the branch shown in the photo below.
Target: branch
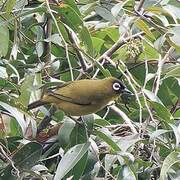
{"x": 47, "y": 45}
{"x": 73, "y": 38}
{"x": 141, "y": 2}
{"x": 161, "y": 63}
{"x": 7, "y": 157}
{"x": 125, "y": 117}
{"x": 45, "y": 122}
{"x": 63, "y": 40}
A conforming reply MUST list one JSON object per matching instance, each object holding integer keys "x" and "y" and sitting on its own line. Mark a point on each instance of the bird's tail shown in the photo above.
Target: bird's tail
{"x": 35, "y": 104}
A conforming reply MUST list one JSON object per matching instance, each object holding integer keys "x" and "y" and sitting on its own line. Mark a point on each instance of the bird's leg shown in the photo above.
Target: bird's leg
{"x": 107, "y": 112}
{"x": 78, "y": 120}
{"x": 44, "y": 123}
{"x": 127, "y": 107}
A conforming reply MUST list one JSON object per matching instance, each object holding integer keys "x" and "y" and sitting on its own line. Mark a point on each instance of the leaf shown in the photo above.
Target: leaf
{"x": 157, "y": 133}
{"x": 28, "y": 155}
{"x": 71, "y": 18}
{"x": 105, "y": 136}
{"x": 126, "y": 173}
{"x": 65, "y": 131}
{"x": 173, "y": 12}
{"x": 86, "y": 40}
{"x": 4, "y": 36}
{"x": 105, "y": 13}
{"x": 102, "y": 122}
{"x": 16, "y": 114}
{"x": 3, "y": 73}
{"x": 73, "y": 5}
{"x": 176, "y": 131}
{"x": 24, "y": 158}
{"x": 97, "y": 44}
{"x": 70, "y": 159}
{"x": 39, "y": 45}
{"x": 174, "y": 36}
{"x": 5, "y": 84}
{"x": 144, "y": 27}
{"x": 12, "y": 71}
{"x": 79, "y": 134}
{"x": 156, "y": 10}
{"x": 170, "y": 160}
{"x": 117, "y": 8}
{"x": 122, "y": 143}
{"x": 25, "y": 90}
{"x": 162, "y": 112}
{"x": 174, "y": 72}
{"x": 152, "y": 96}
{"x": 78, "y": 169}
{"x": 149, "y": 52}
{"x": 159, "y": 42}
{"x": 9, "y": 6}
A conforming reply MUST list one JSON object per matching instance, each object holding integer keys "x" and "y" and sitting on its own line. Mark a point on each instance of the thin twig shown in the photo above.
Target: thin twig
{"x": 74, "y": 40}
{"x": 63, "y": 40}
{"x": 125, "y": 117}
{"x": 95, "y": 153}
{"x": 161, "y": 63}
{"x": 12, "y": 163}
{"x": 130, "y": 78}
{"x": 47, "y": 45}
{"x": 141, "y": 3}
{"x": 97, "y": 71}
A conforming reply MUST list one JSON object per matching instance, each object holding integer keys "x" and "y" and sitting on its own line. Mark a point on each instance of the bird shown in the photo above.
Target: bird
{"x": 83, "y": 97}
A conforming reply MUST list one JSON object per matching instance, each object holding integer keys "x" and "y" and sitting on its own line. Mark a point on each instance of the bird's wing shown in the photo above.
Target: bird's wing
{"x": 68, "y": 99}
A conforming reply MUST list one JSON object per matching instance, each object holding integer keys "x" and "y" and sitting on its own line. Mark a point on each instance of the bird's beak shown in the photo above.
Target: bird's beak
{"x": 126, "y": 91}
{"x": 126, "y": 95}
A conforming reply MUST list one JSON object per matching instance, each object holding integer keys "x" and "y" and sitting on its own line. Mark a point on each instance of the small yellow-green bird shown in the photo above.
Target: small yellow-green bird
{"x": 82, "y": 97}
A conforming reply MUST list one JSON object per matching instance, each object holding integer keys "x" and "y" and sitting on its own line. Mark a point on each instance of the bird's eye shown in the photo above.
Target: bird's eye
{"x": 116, "y": 86}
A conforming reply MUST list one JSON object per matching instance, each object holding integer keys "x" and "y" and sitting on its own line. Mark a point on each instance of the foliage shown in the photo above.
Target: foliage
{"x": 44, "y": 43}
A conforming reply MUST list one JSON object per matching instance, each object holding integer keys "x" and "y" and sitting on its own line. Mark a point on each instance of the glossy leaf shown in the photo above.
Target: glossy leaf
{"x": 70, "y": 159}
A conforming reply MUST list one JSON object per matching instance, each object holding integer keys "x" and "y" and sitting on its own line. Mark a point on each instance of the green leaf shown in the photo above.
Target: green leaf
{"x": 73, "y": 5}
{"x": 19, "y": 116}
{"x": 25, "y": 90}
{"x": 157, "y": 133}
{"x": 117, "y": 8}
{"x": 126, "y": 173}
{"x": 28, "y": 155}
{"x": 156, "y": 10}
{"x": 4, "y": 36}
{"x": 152, "y": 96}
{"x": 78, "y": 169}
{"x": 71, "y": 18}
{"x": 65, "y": 131}
{"x": 174, "y": 36}
{"x": 97, "y": 44}
{"x": 149, "y": 52}
{"x": 162, "y": 112}
{"x": 144, "y": 27}
{"x": 105, "y": 136}
{"x": 86, "y": 40}
{"x": 7, "y": 85}
{"x": 9, "y": 6}
{"x": 105, "y": 13}
{"x": 24, "y": 158}
{"x": 122, "y": 143}
{"x": 79, "y": 134}
{"x": 70, "y": 159}
{"x": 176, "y": 131}
{"x": 174, "y": 72}
{"x": 169, "y": 161}
{"x": 102, "y": 122}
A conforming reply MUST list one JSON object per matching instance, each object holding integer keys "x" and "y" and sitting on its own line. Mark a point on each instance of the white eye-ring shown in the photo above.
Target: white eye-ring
{"x": 116, "y": 86}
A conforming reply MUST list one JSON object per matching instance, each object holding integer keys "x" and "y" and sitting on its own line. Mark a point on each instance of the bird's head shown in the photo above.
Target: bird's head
{"x": 118, "y": 87}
